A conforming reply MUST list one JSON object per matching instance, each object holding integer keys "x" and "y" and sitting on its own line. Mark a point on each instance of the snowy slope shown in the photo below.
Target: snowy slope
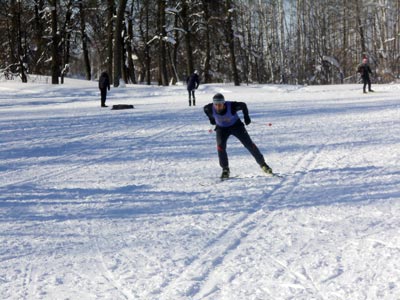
{"x": 103, "y": 204}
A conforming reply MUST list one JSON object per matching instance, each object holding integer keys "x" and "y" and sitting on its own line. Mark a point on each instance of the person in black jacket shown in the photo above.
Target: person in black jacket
{"x": 365, "y": 70}
{"x": 224, "y": 115}
{"x": 104, "y": 85}
{"x": 193, "y": 83}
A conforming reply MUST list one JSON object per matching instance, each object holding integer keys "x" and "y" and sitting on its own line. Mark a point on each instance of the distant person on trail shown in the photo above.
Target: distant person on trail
{"x": 193, "y": 83}
{"x": 224, "y": 115}
{"x": 365, "y": 70}
{"x": 104, "y": 85}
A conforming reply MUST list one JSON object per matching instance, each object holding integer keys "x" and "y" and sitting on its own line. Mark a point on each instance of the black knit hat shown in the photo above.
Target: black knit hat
{"x": 218, "y": 98}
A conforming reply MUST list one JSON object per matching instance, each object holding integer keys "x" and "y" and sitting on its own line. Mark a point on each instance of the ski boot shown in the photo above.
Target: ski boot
{"x": 190, "y": 102}
{"x": 194, "y": 102}
{"x": 225, "y": 173}
{"x": 267, "y": 169}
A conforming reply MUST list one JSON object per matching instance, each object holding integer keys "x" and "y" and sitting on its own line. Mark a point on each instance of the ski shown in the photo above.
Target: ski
{"x": 267, "y": 175}
{"x": 217, "y": 181}
{"x": 278, "y": 175}
{"x": 227, "y": 178}
{"x": 236, "y": 177}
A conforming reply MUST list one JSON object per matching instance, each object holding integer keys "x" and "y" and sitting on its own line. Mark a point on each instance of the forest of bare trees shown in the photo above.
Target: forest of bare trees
{"x": 163, "y": 41}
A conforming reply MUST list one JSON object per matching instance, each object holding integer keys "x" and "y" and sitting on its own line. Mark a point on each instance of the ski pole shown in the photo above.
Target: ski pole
{"x": 210, "y": 130}
{"x": 267, "y": 124}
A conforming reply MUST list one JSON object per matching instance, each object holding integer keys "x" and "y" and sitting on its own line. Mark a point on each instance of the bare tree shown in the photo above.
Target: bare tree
{"x": 20, "y": 55}
{"x": 110, "y": 37}
{"x": 55, "y": 38}
{"x": 230, "y": 38}
{"x": 129, "y": 41}
{"x": 162, "y": 54}
{"x": 84, "y": 37}
{"x": 188, "y": 41}
{"x": 39, "y": 27}
{"x": 147, "y": 46}
{"x": 207, "y": 59}
{"x": 118, "y": 42}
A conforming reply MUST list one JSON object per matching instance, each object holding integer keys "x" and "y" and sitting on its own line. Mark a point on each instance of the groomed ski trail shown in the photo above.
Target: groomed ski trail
{"x": 197, "y": 280}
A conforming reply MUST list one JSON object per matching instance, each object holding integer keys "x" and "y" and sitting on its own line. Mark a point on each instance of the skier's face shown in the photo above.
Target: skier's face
{"x": 219, "y": 107}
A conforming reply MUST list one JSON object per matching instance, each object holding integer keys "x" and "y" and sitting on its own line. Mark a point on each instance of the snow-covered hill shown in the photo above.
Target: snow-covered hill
{"x": 104, "y": 204}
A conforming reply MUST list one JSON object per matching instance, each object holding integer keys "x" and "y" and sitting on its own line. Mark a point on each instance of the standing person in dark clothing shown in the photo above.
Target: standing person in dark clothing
{"x": 193, "y": 83}
{"x": 365, "y": 70}
{"x": 224, "y": 115}
{"x": 104, "y": 85}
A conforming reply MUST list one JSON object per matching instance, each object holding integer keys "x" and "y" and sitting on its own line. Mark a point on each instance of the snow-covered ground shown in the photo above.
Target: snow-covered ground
{"x": 125, "y": 204}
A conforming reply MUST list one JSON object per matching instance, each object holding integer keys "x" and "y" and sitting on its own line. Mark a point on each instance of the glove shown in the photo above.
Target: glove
{"x": 247, "y": 120}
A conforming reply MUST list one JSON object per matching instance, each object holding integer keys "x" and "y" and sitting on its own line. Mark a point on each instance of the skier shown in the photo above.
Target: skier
{"x": 224, "y": 115}
{"x": 365, "y": 70}
{"x": 104, "y": 84}
{"x": 193, "y": 83}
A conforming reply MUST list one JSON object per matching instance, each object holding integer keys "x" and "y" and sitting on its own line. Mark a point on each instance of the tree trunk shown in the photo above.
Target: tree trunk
{"x": 231, "y": 42}
{"x": 55, "y": 60}
{"x": 124, "y": 58}
{"x": 147, "y": 46}
{"x": 360, "y": 27}
{"x": 19, "y": 60}
{"x": 172, "y": 52}
{"x": 38, "y": 37}
{"x": 86, "y": 59}
{"x": 110, "y": 36}
{"x": 118, "y": 42}
{"x": 207, "y": 61}
{"x": 300, "y": 44}
{"x": 162, "y": 53}
{"x": 345, "y": 37}
{"x": 188, "y": 43}
{"x": 282, "y": 46}
{"x": 66, "y": 41}
{"x": 131, "y": 67}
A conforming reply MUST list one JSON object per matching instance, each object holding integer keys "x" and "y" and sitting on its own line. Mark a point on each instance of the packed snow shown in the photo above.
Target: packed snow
{"x": 126, "y": 204}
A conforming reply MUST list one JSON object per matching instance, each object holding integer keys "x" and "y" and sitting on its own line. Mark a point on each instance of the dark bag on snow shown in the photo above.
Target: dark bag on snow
{"x": 122, "y": 106}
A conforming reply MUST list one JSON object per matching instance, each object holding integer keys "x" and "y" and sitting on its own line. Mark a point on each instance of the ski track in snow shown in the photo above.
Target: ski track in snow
{"x": 119, "y": 211}
{"x": 75, "y": 166}
{"x": 198, "y": 281}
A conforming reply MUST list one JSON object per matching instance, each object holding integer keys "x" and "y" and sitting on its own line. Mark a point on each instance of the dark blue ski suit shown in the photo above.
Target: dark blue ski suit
{"x": 228, "y": 123}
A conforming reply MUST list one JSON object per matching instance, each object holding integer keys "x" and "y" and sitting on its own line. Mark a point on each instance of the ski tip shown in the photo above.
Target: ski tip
{"x": 277, "y": 175}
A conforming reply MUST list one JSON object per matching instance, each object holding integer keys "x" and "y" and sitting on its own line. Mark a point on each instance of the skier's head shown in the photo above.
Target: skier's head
{"x": 365, "y": 60}
{"x": 196, "y": 72}
{"x": 218, "y": 99}
{"x": 219, "y": 102}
